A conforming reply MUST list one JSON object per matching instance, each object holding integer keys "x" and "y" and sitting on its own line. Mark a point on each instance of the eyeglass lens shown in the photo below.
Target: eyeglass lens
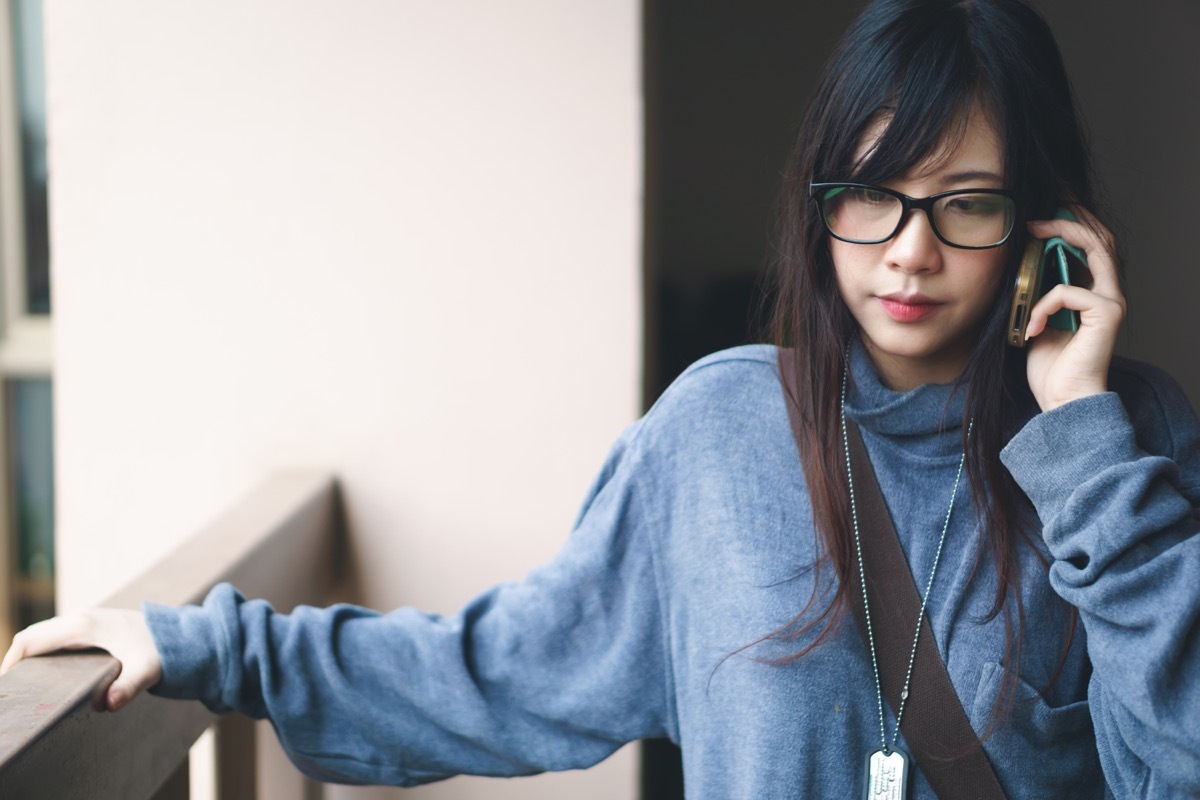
{"x": 863, "y": 214}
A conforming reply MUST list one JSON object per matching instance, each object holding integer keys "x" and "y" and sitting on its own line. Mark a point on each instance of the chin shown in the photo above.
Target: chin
{"x": 904, "y": 347}
{"x": 925, "y": 353}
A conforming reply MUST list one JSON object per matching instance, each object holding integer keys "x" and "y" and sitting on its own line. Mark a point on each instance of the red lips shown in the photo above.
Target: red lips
{"x": 909, "y": 307}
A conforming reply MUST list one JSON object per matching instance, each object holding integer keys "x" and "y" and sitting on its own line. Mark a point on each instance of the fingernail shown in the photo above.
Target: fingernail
{"x": 116, "y": 700}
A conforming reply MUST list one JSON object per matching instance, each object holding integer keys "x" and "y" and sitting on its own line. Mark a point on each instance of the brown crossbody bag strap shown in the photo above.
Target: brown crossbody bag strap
{"x": 936, "y": 729}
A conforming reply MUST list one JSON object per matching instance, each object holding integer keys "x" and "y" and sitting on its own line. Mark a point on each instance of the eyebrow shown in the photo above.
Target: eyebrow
{"x": 971, "y": 175}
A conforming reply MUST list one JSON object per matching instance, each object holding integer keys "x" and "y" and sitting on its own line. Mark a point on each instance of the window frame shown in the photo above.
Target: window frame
{"x": 26, "y": 340}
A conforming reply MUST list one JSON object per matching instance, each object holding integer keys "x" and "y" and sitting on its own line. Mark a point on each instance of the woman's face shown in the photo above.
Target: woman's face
{"x": 919, "y": 302}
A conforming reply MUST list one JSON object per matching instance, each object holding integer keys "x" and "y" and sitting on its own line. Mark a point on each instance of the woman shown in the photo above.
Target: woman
{"x": 704, "y": 591}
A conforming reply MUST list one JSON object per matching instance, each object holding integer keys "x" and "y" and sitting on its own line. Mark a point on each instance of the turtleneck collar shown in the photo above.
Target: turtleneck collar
{"x": 928, "y": 418}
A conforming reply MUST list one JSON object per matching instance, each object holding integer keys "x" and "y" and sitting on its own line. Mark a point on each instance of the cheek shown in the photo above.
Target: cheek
{"x": 989, "y": 283}
{"x": 997, "y": 271}
{"x": 844, "y": 267}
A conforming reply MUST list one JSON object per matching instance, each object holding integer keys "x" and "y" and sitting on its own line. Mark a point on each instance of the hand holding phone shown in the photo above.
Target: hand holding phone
{"x": 1044, "y": 265}
{"x": 1062, "y": 366}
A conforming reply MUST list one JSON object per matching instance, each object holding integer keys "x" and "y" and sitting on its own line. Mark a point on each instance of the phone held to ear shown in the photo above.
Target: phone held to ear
{"x": 1044, "y": 265}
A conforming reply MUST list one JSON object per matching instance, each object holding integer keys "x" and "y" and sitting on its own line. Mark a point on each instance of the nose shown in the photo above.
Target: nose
{"x": 915, "y": 247}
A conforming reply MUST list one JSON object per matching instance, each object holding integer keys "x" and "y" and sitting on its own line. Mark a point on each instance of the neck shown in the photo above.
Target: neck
{"x": 904, "y": 373}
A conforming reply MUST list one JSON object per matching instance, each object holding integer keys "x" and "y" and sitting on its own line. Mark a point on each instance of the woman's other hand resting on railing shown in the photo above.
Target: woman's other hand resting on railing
{"x": 122, "y": 633}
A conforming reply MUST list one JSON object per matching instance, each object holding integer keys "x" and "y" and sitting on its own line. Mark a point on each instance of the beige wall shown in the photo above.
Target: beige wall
{"x": 397, "y": 239}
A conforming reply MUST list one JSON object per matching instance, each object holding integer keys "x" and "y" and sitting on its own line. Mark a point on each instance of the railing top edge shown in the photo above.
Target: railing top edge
{"x": 289, "y": 519}
{"x": 219, "y": 547}
{"x": 37, "y": 694}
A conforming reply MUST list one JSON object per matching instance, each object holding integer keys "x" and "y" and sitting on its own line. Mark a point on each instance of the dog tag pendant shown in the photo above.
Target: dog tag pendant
{"x": 887, "y": 775}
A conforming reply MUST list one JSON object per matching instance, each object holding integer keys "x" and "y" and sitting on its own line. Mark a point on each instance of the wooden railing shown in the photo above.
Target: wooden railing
{"x": 279, "y": 543}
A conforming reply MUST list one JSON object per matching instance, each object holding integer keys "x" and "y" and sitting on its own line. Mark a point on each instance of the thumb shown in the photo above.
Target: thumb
{"x": 138, "y": 673}
{"x": 131, "y": 643}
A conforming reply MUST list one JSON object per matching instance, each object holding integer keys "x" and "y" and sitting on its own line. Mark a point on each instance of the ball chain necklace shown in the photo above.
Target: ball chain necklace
{"x": 888, "y": 766}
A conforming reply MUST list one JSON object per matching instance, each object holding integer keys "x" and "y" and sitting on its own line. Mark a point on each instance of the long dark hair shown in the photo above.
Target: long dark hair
{"x": 922, "y": 65}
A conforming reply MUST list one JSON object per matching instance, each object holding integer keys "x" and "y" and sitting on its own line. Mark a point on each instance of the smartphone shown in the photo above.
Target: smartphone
{"x": 1044, "y": 265}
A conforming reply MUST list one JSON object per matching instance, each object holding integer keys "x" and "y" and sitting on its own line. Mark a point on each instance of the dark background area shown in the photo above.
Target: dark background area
{"x": 725, "y": 85}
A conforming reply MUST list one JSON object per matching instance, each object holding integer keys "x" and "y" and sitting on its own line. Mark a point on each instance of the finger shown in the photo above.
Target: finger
{"x": 1086, "y": 221}
{"x": 133, "y": 646}
{"x": 1094, "y": 240}
{"x": 1095, "y": 310}
{"x": 141, "y": 669}
{"x": 15, "y": 653}
{"x": 137, "y": 675}
{"x": 1051, "y": 338}
{"x": 58, "y": 633}
{"x": 1089, "y": 236}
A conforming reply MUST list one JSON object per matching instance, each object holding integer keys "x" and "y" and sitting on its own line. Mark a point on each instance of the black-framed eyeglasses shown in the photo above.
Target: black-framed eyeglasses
{"x": 860, "y": 213}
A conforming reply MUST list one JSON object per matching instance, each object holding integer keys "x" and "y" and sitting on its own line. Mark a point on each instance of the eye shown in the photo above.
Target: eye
{"x": 873, "y": 197}
{"x": 976, "y": 205}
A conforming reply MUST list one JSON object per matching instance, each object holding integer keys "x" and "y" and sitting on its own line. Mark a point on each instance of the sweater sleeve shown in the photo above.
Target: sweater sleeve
{"x": 555, "y": 672}
{"x": 1117, "y": 500}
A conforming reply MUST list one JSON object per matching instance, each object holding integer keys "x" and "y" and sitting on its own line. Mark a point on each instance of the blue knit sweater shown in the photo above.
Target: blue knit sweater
{"x": 696, "y": 540}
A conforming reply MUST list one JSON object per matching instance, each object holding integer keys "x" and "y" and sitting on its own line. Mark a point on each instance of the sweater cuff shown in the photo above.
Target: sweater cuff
{"x": 1057, "y": 451}
{"x": 190, "y": 644}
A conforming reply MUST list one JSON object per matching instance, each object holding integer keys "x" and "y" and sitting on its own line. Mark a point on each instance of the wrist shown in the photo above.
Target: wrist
{"x": 1051, "y": 404}
{"x": 1050, "y": 399}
